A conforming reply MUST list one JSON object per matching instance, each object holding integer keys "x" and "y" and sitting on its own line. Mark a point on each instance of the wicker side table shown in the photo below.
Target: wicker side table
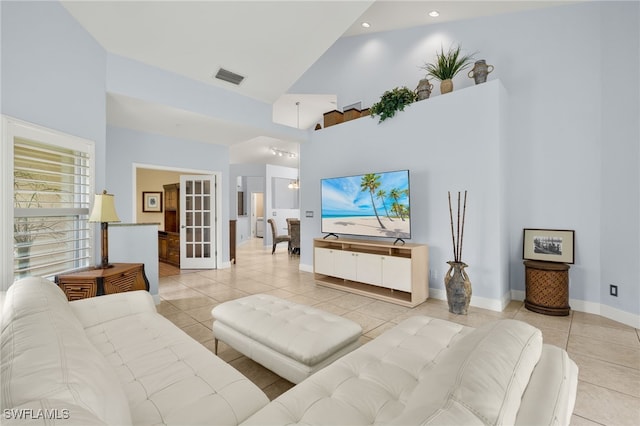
{"x": 547, "y": 287}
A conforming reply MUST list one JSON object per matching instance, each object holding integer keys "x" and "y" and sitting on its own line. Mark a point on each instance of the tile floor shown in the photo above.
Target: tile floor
{"x": 607, "y": 352}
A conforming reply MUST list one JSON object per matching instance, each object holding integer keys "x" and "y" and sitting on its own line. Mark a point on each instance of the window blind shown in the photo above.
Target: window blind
{"x": 52, "y": 195}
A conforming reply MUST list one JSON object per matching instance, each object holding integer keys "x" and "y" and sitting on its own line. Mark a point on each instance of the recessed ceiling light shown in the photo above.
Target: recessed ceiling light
{"x": 434, "y": 13}
{"x": 365, "y": 25}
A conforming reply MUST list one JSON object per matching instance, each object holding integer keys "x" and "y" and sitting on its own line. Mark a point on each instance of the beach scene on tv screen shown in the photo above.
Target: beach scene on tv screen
{"x": 373, "y": 204}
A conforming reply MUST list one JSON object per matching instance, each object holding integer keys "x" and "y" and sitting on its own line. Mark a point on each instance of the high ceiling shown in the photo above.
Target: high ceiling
{"x": 271, "y": 43}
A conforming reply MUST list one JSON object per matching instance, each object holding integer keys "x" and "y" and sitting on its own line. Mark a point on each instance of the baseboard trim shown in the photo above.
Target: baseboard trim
{"x": 499, "y": 305}
{"x": 478, "y": 302}
{"x": 593, "y": 308}
{"x": 606, "y": 311}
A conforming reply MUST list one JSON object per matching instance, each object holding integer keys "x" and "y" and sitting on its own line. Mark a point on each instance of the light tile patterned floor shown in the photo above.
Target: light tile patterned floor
{"x": 607, "y": 352}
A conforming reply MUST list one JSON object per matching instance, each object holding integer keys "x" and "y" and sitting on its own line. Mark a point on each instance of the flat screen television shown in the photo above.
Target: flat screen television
{"x": 371, "y": 204}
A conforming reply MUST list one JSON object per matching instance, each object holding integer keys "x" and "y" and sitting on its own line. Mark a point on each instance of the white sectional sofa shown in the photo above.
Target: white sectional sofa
{"x": 114, "y": 360}
{"x": 111, "y": 360}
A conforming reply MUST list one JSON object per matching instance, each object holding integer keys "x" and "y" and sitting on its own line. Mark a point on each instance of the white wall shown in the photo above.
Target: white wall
{"x": 571, "y": 148}
{"x": 127, "y": 147}
{"x": 137, "y": 243}
{"x": 620, "y": 158}
{"x": 450, "y": 143}
{"x": 53, "y": 75}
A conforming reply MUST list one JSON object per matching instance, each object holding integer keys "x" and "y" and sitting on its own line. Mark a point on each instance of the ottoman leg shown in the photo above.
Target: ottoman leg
{"x": 215, "y": 346}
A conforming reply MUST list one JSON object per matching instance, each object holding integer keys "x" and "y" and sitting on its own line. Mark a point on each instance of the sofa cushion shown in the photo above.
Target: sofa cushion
{"x": 372, "y": 384}
{"x": 481, "y": 379}
{"x": 46, "y": 355}
{"x": 168, "y": 377}
{"x": 551, "y": 393}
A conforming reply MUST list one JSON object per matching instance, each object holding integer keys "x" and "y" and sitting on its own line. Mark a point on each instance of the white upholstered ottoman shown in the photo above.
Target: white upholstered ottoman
{"x": 289, "y": 339}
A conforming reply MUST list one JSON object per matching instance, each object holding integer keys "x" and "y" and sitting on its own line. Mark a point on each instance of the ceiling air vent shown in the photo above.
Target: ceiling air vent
{"x": 229, "y": 76}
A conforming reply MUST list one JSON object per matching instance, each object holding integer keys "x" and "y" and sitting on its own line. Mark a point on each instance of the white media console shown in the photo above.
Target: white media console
{"x": 393, "y": 273}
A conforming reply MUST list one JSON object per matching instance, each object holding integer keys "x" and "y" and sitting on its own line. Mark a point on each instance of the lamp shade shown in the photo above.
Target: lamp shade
{"x": 104, "y": 209}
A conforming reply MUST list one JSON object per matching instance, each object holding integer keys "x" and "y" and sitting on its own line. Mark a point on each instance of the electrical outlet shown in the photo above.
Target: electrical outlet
{"x": 613, "y": 290}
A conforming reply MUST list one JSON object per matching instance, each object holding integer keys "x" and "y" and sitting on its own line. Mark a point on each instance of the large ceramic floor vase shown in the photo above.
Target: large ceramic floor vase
{"x": 458, "y": 286}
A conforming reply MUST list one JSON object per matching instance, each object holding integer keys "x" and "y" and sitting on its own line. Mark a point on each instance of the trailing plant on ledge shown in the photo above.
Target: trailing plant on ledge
{"x": 392, "y": 101}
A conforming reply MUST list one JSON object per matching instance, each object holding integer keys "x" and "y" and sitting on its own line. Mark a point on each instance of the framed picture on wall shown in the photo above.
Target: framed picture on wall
{"x": 152, "y": 202}
{"x": 549, "y": 245}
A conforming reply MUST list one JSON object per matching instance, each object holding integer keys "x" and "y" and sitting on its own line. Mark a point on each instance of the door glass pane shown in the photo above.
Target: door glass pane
{"x": 198, "y": 217}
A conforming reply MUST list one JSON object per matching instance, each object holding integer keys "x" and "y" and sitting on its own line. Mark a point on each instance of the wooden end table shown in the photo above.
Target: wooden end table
{"x": 90, "y": 282}
{"x": 547, "y": 287}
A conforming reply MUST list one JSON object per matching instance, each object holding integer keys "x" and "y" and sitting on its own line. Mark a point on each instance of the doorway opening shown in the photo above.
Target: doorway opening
{"x": 200, "y": 215}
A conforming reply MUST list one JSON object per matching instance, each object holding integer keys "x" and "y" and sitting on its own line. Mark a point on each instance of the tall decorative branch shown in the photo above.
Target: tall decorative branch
{"x": 457, "y": 237}
{"x": 453, "y": 238}
{"x": 464, "y": 213}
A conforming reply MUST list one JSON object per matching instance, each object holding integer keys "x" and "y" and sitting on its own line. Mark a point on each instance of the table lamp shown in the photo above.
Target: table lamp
{"x": 104, "y": 211}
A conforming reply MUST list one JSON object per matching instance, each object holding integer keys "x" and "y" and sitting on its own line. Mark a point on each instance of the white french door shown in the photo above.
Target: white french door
{"x": 198, "y": 222}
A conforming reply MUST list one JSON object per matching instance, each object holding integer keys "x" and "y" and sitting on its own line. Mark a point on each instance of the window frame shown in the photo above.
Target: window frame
{"x": 14, "y": 128}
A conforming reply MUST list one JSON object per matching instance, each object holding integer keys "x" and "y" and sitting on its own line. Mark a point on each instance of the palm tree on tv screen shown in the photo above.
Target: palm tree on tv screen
{"x": 382, "y": 194}
{"x": 396, "y": 193}
{"x": 370, "y": 182}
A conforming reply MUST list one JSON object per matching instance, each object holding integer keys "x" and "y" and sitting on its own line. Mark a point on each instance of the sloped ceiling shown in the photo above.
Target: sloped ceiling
{"x": 271, "y": 43}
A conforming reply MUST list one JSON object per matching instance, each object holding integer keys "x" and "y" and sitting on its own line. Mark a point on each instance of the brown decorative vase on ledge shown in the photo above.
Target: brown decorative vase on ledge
{"x": 446, "y": 86}
{"x": 458, "y": 286}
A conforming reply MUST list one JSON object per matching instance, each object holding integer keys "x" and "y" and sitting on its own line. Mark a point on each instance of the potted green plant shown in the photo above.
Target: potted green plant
{"x": 392, "y": 101}
{"x": 447, "y": 65}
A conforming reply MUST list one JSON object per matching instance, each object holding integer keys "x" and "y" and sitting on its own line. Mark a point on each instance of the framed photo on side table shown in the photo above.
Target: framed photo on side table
{"x": 152, "y": 202}
{"x": 549, "y": 245}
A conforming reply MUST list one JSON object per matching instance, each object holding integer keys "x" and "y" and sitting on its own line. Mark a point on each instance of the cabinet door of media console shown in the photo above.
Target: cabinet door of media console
{"x": 323, "y": 261}
{"x": 369, "y": 268}
{"x": 345, "y": 265}
{"x": 396, "y": 273}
